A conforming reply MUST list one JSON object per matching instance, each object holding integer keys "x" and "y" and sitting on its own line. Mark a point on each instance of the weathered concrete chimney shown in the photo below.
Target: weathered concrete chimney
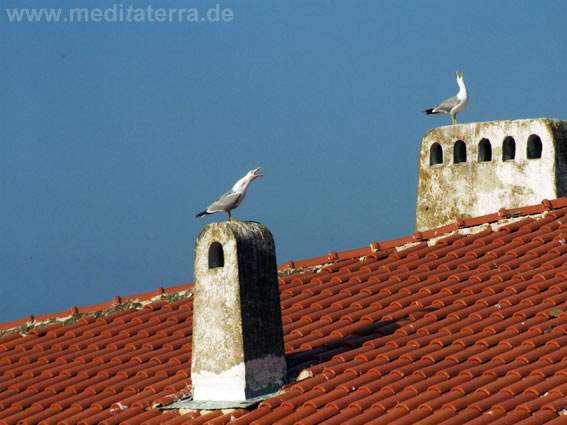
{"x": 474, "y": 169}
{"x": 238, "y": 350}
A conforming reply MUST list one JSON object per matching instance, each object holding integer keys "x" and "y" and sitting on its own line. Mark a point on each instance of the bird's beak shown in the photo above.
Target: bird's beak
{"x": 258, "y": 175}
{"x": 462, "y": 74}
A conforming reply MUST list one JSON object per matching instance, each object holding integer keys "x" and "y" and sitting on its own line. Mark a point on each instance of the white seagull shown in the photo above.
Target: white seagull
{"x": 231, "y": 199}
{"x": 454, "y": 104}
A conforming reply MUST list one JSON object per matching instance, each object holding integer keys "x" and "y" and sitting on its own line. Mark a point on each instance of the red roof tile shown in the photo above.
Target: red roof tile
{"x": 469, "y": 328}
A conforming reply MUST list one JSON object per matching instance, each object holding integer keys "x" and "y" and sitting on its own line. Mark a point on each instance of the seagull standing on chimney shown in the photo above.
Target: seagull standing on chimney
{"x": 454, "y": 104}
{"x": 232, "y": 199}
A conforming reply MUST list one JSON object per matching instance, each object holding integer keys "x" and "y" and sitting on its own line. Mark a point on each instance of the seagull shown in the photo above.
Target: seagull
{"x": 231, "y": 199}
{"x": 454, "y": 104}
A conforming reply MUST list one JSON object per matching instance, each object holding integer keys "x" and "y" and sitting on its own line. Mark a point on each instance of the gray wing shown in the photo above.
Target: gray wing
{"x": 446, "y": 105}
{"x": 225, "y": 202}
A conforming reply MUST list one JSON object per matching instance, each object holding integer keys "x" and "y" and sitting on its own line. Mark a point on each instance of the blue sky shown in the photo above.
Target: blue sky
{"x": 115, "y": 134}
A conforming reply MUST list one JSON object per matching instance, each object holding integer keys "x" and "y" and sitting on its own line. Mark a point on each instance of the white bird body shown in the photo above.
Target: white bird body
{"x": 454, "y": 104}
{"x": 233, "y": 198}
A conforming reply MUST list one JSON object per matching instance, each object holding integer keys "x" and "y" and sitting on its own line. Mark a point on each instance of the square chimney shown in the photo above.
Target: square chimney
{"x": 238, "y": 349}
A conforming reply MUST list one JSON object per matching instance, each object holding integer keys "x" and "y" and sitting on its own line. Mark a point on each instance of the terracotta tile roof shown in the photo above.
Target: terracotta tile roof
{"x": 465, "y": 324}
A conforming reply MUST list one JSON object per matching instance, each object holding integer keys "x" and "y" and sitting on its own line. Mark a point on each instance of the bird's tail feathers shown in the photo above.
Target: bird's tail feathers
{"x": 202, "y": 214}
{"x": 430, "y": 112}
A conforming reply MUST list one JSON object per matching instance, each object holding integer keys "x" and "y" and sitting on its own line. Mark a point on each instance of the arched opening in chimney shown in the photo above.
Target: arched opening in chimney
{"x": 508, "y": 149}
{"x": 534, "y": 147}
{"x": 459, "y": 152}
{"x": 216, "y": 256}
{"x": 484, "y": 151}
{"x": 436, "y": 154}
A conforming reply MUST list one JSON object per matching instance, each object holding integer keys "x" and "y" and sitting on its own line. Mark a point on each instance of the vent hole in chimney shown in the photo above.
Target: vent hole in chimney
{"x": 534, "y": 147}
{"x": 216, "y": 256}
{"x": 436, "y": 154}
{"x": 484, "y": 151}
{"x": 508, "y": 149}
{"x": 459, "y": 152}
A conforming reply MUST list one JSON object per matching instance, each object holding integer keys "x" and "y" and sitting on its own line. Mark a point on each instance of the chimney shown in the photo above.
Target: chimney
{"x": 474, "y": 169}
{"x": 238, "y": 350}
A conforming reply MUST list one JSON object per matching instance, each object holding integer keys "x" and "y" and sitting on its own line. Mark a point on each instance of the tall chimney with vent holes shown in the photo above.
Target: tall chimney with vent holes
{"x": 238, "y": 350}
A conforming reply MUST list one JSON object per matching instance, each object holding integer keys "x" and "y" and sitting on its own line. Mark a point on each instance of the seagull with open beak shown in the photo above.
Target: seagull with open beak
{"x": 232, "y": 199}
{"x": 454, "y": 104}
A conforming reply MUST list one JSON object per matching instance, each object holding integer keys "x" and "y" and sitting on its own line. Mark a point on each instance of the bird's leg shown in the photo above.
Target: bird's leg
{"x": 230, "y": 218}
{"x": 453, "y": 119}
